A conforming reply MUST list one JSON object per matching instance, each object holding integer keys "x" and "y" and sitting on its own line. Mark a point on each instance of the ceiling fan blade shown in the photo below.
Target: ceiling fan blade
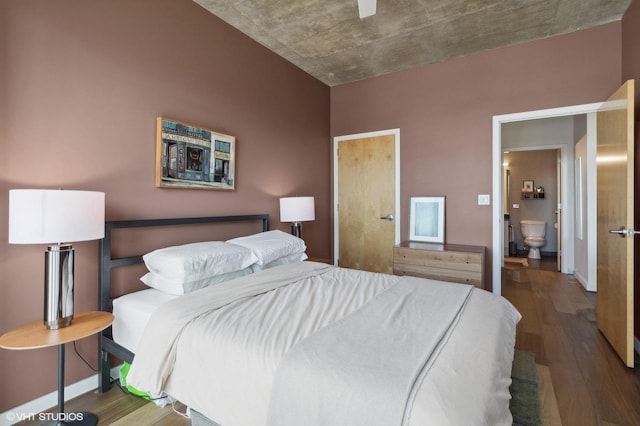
{"x": 366, "y": 8}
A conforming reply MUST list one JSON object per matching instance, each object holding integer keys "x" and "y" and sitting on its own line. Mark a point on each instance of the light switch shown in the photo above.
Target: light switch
{"x": 516, "y": 206}
{"x": 484, "y": 199}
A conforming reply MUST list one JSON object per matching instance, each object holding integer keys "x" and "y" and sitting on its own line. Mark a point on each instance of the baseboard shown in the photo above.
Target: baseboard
{"x": 580, "y": 279}
{"x": 43, "y": 403}
{"x": 584, "y": 282}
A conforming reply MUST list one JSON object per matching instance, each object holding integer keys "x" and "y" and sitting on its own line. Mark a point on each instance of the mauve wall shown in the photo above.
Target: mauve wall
{"x": 81, "y": 84}
{"x": 631, "y": 70}
{"x": 444, "y": 112}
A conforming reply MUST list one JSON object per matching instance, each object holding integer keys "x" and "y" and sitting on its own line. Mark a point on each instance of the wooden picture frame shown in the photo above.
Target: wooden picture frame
{"x": 427, "y": 219}
{"x": 193, "y": 157}
{"x": 527, "y": 186}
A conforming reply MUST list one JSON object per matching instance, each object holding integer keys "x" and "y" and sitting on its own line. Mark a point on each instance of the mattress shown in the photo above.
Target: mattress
{"x": 222, "y": 361}
{"x": 132, "y": 313}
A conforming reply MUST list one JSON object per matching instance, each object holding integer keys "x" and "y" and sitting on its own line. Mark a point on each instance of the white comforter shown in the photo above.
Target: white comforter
{"x": 365, "y": 369}
{"x": 218, "y": 349}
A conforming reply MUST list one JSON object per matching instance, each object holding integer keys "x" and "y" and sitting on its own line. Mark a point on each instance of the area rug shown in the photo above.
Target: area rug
{"x": 521, "y": 260}
{"x": 525, "y": 399}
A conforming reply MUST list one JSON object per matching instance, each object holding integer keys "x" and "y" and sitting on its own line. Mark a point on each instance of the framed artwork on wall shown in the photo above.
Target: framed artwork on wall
{"x": 527, "y": 186}
{"x": 193, "y": 157}
{"x": 426, "y": 220}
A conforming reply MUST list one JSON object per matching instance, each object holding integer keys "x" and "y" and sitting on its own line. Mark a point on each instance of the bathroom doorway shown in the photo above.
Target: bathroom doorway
{"x": 532, "y": 194}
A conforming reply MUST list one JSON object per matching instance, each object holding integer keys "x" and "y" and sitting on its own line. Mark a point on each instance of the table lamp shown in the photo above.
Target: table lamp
{"x": 296, "y": 210}
{"x": 56, "y": 217}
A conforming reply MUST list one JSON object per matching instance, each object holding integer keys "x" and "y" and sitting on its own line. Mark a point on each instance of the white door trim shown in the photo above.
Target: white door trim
{"x": 498, "y": 213}
{"x": 336, "y": 224}
{"x": 592, "y": 194}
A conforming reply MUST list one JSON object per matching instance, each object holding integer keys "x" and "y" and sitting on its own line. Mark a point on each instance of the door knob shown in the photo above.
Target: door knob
{"x": 388, "y": 217}
{"x": 624, "y": 232}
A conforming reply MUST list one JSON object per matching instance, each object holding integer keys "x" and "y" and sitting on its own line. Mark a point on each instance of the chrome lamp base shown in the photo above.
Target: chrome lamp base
{"x": 58, "y": 286}
{"x": 296, "y": 229}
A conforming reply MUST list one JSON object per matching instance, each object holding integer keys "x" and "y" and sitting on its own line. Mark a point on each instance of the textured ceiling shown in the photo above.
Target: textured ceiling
{"x": 327, "y": 39}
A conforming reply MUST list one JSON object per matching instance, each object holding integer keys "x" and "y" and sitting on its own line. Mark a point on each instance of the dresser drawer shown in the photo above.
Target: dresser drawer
{"x": 453, "y": 263}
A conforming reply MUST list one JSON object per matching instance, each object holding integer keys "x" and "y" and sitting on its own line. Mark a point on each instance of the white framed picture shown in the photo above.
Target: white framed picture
{"x": 426, "y": 220}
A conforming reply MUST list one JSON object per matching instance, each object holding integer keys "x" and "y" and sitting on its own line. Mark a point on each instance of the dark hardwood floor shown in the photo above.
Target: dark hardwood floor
{"x": 116, "y": 407}
{"x": 582, "y": 380}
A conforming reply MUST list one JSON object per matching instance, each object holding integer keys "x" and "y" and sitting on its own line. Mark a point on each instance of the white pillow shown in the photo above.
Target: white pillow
{"x": 271, "y": 245}
{"x": 292, "y": 258}
{"x": 196, "y": 261}
{"x": 183, "y": 287}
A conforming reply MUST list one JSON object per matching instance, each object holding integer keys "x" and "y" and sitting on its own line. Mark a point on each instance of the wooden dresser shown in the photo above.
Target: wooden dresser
{"x": 446, "y": 262}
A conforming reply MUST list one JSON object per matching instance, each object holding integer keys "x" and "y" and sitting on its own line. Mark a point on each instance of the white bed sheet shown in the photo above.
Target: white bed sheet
{"x": 132, "y": 313}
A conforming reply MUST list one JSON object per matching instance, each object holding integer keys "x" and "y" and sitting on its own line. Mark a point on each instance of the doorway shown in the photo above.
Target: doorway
{"x": 501, "y": 126}
{"x": 532, "y": 194}
{"x": 613, "y": 135}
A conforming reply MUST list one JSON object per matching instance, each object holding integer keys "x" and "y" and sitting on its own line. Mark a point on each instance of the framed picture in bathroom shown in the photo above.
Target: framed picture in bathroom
{"x": 527, "y": 186}
{"x": 426, "y": 220}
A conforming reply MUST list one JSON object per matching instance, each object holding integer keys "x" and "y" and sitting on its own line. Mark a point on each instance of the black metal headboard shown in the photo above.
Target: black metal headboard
{"x": 107, "y": 264}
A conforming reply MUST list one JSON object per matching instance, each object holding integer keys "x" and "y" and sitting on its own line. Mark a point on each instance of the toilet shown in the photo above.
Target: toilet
{"x": 533, "y": 232}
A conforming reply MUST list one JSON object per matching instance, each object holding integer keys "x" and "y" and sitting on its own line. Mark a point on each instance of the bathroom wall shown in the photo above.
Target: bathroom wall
{"x": 540, "y": 167}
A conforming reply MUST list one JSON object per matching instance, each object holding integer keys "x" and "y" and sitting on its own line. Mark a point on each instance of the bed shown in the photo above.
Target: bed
{"x": 310, "y": 343}
{"x": 110, "y": 262}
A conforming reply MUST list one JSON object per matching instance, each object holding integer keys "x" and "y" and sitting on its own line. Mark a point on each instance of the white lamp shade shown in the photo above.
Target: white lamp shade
{"x": 38, "y": 216}
{"x": 297, "y": 209}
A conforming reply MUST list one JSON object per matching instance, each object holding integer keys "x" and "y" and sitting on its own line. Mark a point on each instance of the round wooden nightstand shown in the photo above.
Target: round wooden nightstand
{"x": 35, "y": 335}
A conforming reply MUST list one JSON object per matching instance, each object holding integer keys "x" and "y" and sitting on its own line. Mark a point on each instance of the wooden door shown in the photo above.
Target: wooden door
{"x": 366, "y": 202}
{"x": 615, "y": 159}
